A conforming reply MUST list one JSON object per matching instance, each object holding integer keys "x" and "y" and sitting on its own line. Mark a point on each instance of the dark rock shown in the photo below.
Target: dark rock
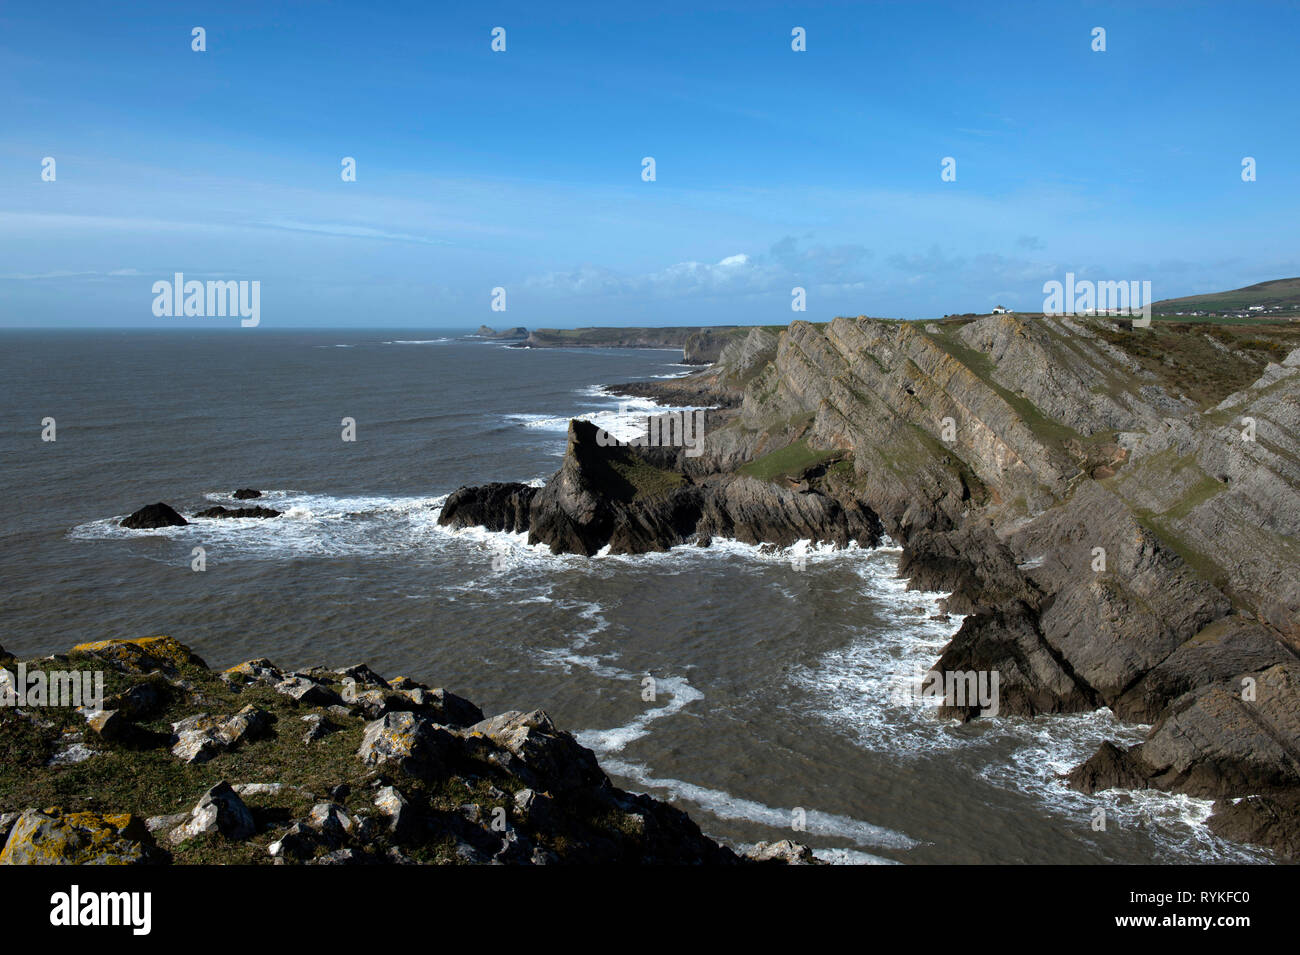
{"x": 318, "y": 727}
{"x": 330, "y": 820}
{"x": 397, "y": 809}
{"x": 639, "y": 500}
{"x": 976, "y": 569}
{"x": 1032, "y": 678}
{"x": 225, "y": 512}
{"x": 1233, "y": 646}
{"x": 140, "y": 699}
{"x": 299, "y": 843}
{"x": 1272, "y": 821}
{"x": 1108, "y": 768}
{"x": 1214, "y": 741}
{"x": 451, "y": 710}
{"x": 246, "y": 494}
{"x": 498, "y": 507}
{"x": 154, "y": 515}
{"x": 116, "y": 727}
{"x": 360, "y": 673}
{"x": 260, "y": 670}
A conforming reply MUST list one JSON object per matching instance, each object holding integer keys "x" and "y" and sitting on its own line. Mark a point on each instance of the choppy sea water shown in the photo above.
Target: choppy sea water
{"x": 755, "y": 690}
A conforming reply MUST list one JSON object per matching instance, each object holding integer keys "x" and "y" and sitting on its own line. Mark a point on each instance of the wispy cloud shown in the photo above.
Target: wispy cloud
{"x": 65, "y": 274}
{"x": 350, "y": 231}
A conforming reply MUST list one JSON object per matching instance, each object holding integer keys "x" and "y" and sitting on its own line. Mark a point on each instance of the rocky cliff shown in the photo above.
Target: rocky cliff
{"x": 1115, "y": 509}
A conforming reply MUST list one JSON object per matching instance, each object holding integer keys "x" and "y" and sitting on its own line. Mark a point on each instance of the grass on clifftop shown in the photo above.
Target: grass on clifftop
{"x": 788, "y": 462}
{"x": 646, "y": 479}
{"x": 1202, "y": 361}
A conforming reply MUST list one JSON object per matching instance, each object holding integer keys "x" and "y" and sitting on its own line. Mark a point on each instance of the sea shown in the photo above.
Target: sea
{"x": 769, "y": 694}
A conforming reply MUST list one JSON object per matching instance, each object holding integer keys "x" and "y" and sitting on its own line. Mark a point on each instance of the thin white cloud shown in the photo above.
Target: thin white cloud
{"x": 733, "y": 273}
{"x": 64, "y": 274}
{"x": 350, "y": 231}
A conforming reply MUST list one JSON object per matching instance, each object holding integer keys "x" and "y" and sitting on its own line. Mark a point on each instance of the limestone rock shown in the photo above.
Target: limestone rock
{"x": 76, "y": 838}
{"x": 392, "y": 804}
{"x": 784, "y": 852}
{"x": 551, "y": 757}
{"x": 142, "y": 655}
{"x": 307, "y": 691}
{"x": 260, "y": 670}
{"x": 220, "y": 810}
{"x": 407, "y": 741}
{"x": 318, "y": 727}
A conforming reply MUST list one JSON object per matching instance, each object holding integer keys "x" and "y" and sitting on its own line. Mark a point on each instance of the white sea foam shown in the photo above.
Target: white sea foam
{"x": 610, "y": 419}
{"x": 863, "y": 691}
{"x": 418, "y": 341}
{"x": 608, "y": 743}
{"x": 309, "y": 525}
{"x": 850, "y": 857}
{"x": 681, "y": 695}
{"x": 724, "y": 805}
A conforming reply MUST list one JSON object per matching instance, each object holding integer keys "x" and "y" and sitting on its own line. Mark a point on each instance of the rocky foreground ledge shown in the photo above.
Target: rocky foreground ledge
{"x": 258, "y": 764}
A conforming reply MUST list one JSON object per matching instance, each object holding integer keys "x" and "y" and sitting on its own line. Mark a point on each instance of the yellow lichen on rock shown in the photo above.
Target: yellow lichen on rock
{"x": 141, "y": 654}
{"x": 51, "y": 837}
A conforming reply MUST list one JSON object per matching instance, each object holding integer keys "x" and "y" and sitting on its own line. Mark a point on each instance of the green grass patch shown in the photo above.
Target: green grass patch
{"x": 788, "y": 462}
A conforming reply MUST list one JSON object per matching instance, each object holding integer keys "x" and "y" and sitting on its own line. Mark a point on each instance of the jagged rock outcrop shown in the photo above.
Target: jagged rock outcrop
{"x": 638, "y": 500}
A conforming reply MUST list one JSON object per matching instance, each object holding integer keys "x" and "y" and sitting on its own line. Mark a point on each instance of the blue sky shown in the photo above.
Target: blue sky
{"x": 522, "y": 169}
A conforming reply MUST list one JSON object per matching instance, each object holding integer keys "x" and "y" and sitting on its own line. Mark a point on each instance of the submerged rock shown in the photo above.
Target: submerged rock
{"x": 226, "y": 512}
{"x": 246, "y": 494}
